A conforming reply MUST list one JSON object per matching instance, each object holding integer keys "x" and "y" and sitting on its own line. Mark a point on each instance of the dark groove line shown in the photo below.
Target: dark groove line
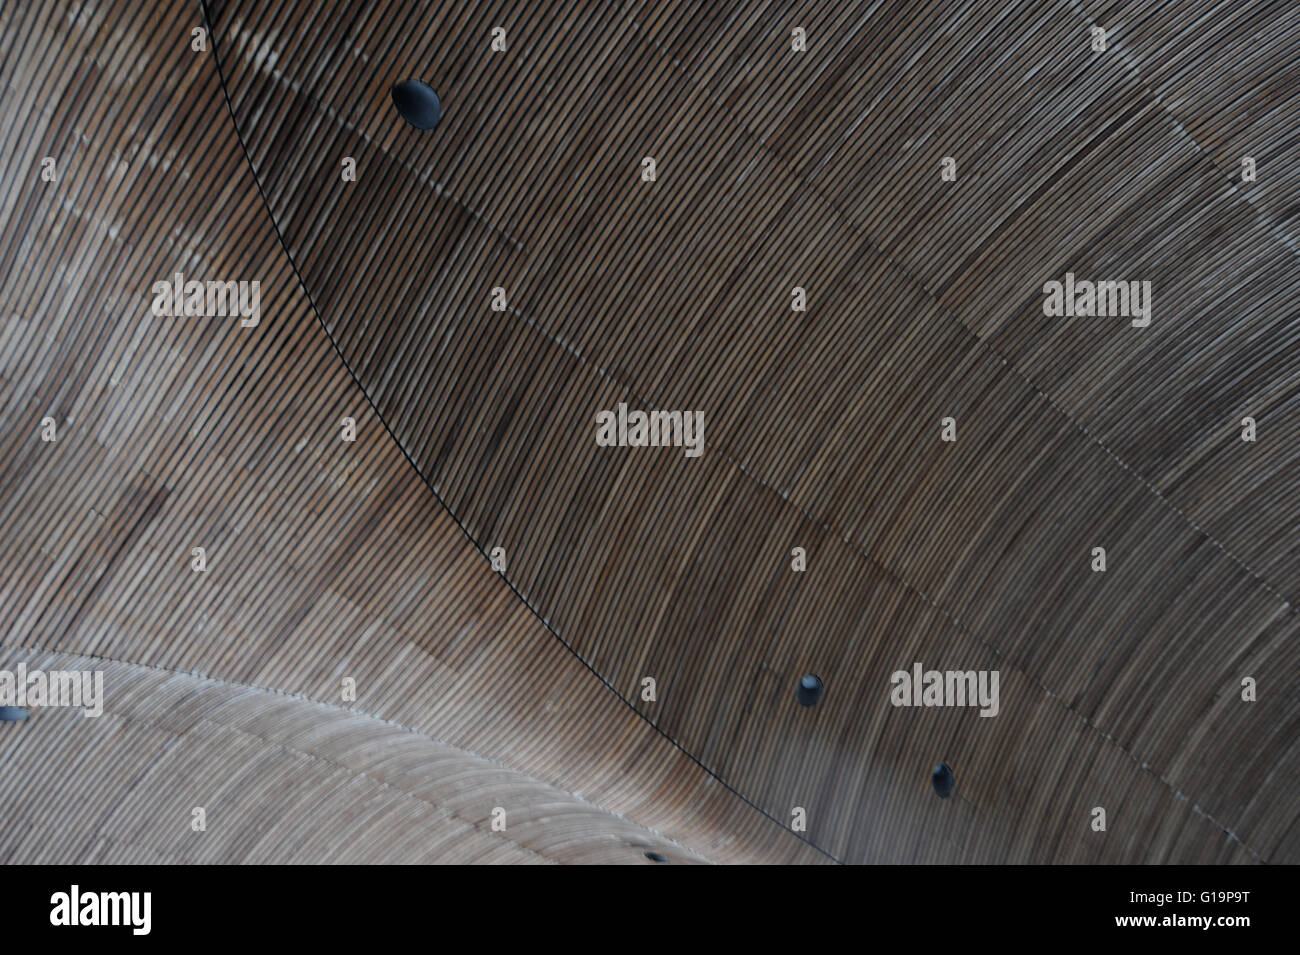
{"x": 221, "y": 77}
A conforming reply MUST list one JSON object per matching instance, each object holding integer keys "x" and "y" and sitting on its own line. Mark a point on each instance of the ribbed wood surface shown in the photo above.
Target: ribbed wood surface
{"x": 775, "y": 169}
{"x": 325, "y": 560}
{"x": 278, "y": 779}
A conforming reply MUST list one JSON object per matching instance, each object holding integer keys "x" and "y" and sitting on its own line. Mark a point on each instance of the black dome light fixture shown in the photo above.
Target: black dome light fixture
{"x": 810, "y": 690}
{"x": 13, "y": 714}
{"x": 417, "y": 103}
{"x": 943, "y": 780}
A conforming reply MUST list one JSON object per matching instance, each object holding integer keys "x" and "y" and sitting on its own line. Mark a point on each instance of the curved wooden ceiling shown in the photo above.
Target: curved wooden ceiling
{"x": 368, "y": 560}
{"x": 283, "y": 780}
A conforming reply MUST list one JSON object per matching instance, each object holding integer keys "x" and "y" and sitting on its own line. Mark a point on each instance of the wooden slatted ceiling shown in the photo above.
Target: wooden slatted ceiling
{"x": 280, "y": 779}
{"x": 776, "y": 170}
{"x": 325, "y": 560}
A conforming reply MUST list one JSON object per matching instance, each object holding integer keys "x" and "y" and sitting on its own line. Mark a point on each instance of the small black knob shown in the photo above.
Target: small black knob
{"x": 943, "y": 780}
{"x": 417, "y": 103}
{"x": 810, "y": 690}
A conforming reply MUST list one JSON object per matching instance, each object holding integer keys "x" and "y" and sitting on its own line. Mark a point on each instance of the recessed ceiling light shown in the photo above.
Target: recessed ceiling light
{"x": 810, "y": 690}
{"x": 943, "y": 780}
{"x": 417, "y": 103}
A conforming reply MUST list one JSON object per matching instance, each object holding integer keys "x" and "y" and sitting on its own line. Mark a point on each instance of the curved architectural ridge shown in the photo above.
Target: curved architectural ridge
{"x": 311, "y": 783}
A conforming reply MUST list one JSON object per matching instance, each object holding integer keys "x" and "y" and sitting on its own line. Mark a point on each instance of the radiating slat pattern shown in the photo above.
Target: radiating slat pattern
{"x": 775, "y": 169}
{"x": 820, "y": 170}
{"x": 325, "y": 560}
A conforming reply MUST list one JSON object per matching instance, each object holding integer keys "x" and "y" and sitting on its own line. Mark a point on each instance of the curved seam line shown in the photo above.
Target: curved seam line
{"x": 478, "y": 549}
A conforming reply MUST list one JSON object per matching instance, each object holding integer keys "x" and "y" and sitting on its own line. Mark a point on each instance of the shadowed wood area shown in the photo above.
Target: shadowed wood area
{"x": 368, "y": 560}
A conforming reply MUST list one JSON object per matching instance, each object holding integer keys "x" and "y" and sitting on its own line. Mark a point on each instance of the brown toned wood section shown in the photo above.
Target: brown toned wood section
{"x": 475, "y": 427}
{"x": 325, "y": 560}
